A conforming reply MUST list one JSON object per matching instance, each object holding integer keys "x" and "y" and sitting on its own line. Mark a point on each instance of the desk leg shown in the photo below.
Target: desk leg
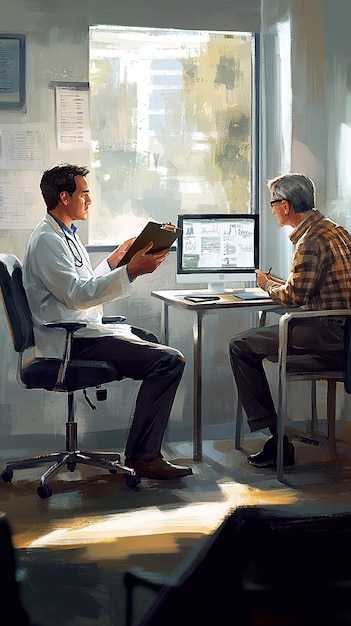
{"x": 197, "y": 392}
{"x": 197, "y": 398}
{"x": 165, "y": 324}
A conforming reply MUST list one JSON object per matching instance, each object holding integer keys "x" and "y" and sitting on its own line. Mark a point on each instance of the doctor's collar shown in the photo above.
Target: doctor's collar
{"x": 70, "y": 231}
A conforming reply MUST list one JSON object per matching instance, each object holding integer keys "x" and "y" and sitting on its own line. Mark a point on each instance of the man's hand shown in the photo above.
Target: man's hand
{"x": 262, "y": 279}
{"x": 143, "y": 263}
{"x": 119, "y": 253}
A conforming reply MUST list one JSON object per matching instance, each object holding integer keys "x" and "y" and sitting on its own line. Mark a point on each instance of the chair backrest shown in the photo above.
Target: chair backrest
{"x": 260, "y": 588}
{"x": 15, "y": 302}
{"x": 348, "y": 356}
{"x": 10, "y": 592}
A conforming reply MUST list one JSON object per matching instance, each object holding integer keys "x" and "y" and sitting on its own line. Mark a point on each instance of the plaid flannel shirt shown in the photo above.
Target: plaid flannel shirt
{"x": 320, "y": 274}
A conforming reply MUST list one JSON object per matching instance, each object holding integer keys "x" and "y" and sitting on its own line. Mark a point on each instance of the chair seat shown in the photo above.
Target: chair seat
{"x": 317, "y": 364}
{"x": 41, "y": 373}
{"x": 313, "y": 362}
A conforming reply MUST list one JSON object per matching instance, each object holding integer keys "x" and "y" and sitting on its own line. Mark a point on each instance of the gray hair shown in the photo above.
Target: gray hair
{"x": 297, "y": 189}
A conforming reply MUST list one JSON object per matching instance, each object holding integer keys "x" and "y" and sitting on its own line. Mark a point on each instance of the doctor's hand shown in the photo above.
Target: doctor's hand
{"x": 143, "y": 263}
{"x": 119, "y": 252}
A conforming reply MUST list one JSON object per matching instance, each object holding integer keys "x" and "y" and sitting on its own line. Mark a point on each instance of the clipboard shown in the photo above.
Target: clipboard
{"x": 162, "y": 235}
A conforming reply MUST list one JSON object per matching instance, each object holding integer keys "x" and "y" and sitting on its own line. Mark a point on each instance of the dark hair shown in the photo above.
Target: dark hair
{"x": 297, "y": 189}
{"x": 60, "y": 178}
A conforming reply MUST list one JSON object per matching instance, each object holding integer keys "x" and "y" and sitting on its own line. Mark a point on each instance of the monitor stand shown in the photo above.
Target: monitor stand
{"x": 215, "y": 287}
{"x": 221, "y": 287}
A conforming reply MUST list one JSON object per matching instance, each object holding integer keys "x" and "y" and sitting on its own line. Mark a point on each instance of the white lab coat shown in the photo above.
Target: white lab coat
{"x": 59, "y": 290}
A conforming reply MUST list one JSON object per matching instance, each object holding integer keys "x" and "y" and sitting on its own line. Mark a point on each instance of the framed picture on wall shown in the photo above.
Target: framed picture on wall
{"x": 12, "y": 71}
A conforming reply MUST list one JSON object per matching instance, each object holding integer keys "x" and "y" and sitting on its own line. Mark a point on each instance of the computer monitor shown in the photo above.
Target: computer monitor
{"x": 218, "y": 249}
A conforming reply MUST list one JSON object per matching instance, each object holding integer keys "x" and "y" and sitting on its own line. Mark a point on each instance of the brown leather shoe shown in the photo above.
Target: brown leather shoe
{"x": 159, "y": 469}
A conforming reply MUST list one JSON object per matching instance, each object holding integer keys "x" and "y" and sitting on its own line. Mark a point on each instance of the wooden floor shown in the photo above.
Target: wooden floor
{"x": 73, "y": 549}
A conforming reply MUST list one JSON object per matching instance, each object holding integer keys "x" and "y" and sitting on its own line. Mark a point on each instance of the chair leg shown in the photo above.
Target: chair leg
{"x": 54, "y": 457}
{"x": 314, "y": 416}
{"x": 71, "y": 457}
{"x": 238, "y": 425}
{"x": 280, "y": 450}
{"x": 331, "y": 404}
{"x": 56, "y": 467}
{"x": 281, "y": 419}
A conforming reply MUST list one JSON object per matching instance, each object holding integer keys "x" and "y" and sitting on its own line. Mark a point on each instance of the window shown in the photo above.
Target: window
{"x": 171, "y": 126}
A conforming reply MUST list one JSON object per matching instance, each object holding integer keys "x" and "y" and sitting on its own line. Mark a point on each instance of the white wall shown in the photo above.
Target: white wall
{"x": 320, "y": 119}
{"x": 57, "y": 50}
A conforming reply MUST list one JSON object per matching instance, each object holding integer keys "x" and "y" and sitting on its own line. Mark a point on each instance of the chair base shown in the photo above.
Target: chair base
{"x": 71, "y": 458}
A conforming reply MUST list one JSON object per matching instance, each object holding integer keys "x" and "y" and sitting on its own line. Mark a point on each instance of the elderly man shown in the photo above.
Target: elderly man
{"x": 319, "y": 278}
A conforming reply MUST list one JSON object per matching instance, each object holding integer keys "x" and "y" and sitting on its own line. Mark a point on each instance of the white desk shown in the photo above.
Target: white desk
{"x": 227, "y": 301}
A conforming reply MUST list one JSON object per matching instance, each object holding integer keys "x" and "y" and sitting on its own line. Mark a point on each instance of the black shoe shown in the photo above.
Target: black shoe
{"x": 268, "y": 455}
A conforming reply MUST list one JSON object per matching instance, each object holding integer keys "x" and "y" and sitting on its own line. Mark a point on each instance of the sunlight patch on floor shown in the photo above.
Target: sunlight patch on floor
{"x": 198, "y": 518}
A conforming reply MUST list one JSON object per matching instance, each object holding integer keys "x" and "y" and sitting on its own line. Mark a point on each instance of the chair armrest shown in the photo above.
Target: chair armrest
{"x": 288, "y": 317}
{"x": 298, "y": 313}
{"x": 113, "y": 319}
{"x": 152, "y": 580}
{"x": 285, "y": 319}
{"x": 138, "y": 577}
{"x": 279, "y": 310}
{"x": 70, "y": 328}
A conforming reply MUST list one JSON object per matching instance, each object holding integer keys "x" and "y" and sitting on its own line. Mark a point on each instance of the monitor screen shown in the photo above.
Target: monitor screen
{"x": 218, "y": 249}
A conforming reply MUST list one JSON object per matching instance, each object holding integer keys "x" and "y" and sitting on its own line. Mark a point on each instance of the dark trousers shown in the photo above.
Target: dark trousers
{"x": 160, "y": 368}
{"x": 248, "y": 350}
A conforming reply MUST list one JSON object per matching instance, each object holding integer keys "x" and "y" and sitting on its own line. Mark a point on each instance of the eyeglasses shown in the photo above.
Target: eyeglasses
{"x": 273, "y": 202}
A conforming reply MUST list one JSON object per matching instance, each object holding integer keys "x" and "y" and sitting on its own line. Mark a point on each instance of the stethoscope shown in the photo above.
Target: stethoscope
{"x": 74, "y": 249}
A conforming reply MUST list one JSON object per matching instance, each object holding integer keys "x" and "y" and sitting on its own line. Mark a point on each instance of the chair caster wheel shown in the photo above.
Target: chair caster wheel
{"x": 7, "y": 475}
{"x": 132, "y": 481}
{"x": 112, "y": 471}
{"x": 44, "y": 491}
{"x": 71, "y": 466}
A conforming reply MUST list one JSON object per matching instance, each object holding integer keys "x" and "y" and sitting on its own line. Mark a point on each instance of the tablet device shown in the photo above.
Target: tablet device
{"x": 162, "y": 235}
{"x": 201, "y": 298}
{"x": 250, "y": 295}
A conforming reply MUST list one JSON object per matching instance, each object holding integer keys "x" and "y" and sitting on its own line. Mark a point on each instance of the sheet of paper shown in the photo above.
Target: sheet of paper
{"x": 20, "y": 208}
{"x": 72, "y": 118}
{"x": 23, "y": 146}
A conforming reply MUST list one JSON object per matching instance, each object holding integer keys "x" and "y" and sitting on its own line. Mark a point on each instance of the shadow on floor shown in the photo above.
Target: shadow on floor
{"x": 74, "y": 548}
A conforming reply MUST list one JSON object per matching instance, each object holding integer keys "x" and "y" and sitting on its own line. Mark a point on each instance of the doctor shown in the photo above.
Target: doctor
{"x": 62, "y": 285}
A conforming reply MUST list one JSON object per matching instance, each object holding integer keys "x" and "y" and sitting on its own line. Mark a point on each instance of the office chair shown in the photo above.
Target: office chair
{"x": 60, "y": 375}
